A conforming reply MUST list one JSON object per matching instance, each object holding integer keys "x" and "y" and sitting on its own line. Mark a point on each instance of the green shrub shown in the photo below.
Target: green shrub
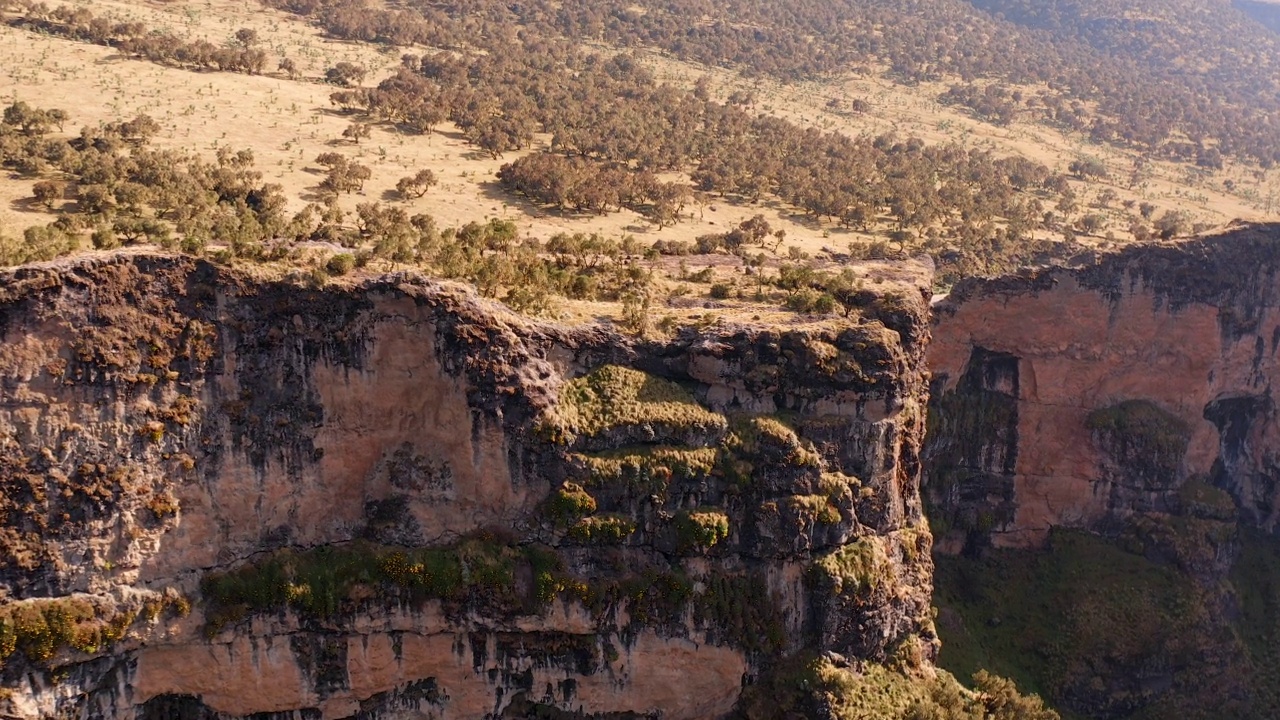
{"x": 645, "y": 469}
{"x": 569, "y": 503}
{"x": 602, "y": 530}
{"x": 763, "y": 434}
{"x": 614, "y": 396}
{"x": 836, "y": 485}
{"x": 1200, "y": 499}
{"x": 40, "y": 628}
{"x": 341, "y": 264}
{"x": 1144, "y": 424}
{"x": 700, "y": 530}
{"x": 330, "y": 580}
{"x": 817, "y": 507}
{"x": 858, "y": 567}
{"x": 739, "y": 609}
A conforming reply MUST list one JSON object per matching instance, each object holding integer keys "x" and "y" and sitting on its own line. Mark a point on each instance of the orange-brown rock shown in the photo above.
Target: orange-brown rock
{"x": 1032, "y": 375}
{"x": 168, "y": 424}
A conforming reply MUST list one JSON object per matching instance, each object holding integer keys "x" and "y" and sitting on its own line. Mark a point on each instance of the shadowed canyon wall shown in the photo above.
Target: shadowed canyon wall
{"x": 229, "y": 497}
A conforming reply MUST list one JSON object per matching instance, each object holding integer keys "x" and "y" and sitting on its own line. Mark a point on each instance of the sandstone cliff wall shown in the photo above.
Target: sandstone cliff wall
{"x": 225, "y": 497}
{"x": 1081, "y": 397}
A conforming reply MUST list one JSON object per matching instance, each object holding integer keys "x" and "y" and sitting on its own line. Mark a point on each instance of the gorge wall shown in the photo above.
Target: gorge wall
{"x": 225, "y": 496}
{"x": 1104, "y": 453}
{"x": 1079, "y": 397}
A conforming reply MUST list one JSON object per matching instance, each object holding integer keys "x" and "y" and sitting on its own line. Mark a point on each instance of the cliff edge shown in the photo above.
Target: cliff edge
{"x": 226, "y": 496}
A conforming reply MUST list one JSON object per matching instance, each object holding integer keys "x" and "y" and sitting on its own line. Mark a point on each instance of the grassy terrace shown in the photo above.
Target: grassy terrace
{"x": 39, "y": 629}
{"x": 613, "y": 397}
{"x": 486, "y": 574}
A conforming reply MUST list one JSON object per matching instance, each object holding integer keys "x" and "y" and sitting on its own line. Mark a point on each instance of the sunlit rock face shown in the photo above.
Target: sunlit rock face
{"x": 227, "y": 496}
{"x": 1079, "y": 397}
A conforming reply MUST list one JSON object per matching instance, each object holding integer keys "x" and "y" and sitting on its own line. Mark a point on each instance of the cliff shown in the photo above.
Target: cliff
{"x": 1102, "y": 456}
{"x": 225, "y": 495}
{"x": 1079, "y": 397}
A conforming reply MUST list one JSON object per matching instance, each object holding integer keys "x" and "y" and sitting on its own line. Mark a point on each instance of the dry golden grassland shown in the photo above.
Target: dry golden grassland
{"x": 916, "y": 111}
{"x": 288, "y": 122}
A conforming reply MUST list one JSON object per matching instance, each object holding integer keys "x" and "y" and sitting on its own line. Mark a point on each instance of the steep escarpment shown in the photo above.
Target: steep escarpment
{"x": 228, "y": 496}
{"x": 1101, "y": 465}
{"x": 1094, "y": 393}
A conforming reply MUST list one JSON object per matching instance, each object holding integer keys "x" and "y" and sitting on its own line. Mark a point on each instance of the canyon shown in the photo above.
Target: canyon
{"x": 1114, "y": 422}
{"x": 231, "y": 495}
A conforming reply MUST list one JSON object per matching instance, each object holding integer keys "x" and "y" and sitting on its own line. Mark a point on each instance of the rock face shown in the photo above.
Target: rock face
{"x": 1077, "y": 398}
{"x": 226, "y": 497}
{"x": 1101, "y": 476}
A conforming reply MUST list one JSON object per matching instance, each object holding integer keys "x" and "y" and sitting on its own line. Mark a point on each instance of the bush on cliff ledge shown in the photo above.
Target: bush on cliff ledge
{"x": 826, "y": 685}
{"x": 614, "y": 397}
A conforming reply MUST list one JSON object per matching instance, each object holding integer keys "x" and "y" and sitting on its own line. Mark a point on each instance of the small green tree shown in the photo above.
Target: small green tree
{"x": 345, "y": 74}
{"x": 340, "y": 264}
{"x": 416, "y": 185}
{"x": 1172, "y": 223}
{"x": 48, "y": 192}
{"x": 356, "y": 132}
{"x": 635, "y": 312}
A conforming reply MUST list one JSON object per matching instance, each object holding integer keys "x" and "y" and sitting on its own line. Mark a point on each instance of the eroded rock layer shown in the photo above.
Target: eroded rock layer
{"x": 1101, "y": 476}
{"x": 227, "y": 497}
{"x": 1079, "y": 397}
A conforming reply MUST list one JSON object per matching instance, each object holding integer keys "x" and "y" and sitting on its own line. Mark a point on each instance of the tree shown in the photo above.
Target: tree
{"x": 794, "y": 278}
{"x": 331, "y": 159}
{"x": 847, "y": 290}
{"x": 345, "y": 74}
{"x": 288, "y": 67}
{"x": 1088, "y": 167}
{"x": 1091, "y": 224}
{"x": 31, "y": 121}
{"x": 356, "y": 132}
{"x": 139, "y": 130}
{"x": 1172, "y": 223}
{"x": 417, "y": 185}
{"x": 48, "y": 192}
{"x": 95, "y": 199}
{"x": 344, "y": 175}
{"x": 635, "y": 311}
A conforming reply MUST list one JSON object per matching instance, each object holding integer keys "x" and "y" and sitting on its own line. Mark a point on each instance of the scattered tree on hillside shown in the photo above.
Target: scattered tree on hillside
{"x": 345, "y": 74}
{"x": 47, "y": 192}
{"x": 357, "y": 131}
{"x": 416, "y": 185}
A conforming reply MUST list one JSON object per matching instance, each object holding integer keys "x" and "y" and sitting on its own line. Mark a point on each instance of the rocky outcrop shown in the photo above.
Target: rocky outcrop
{"x": 227, "y": 496}
{"x": 1101, "y": 477}
{"x": 1079, "y": 397}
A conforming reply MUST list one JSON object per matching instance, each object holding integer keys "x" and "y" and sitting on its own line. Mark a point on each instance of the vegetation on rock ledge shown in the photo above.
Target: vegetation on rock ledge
{"x": 829, "y": 686}
{"x": 614, "y": 397}
{"x": 487, "y": 575}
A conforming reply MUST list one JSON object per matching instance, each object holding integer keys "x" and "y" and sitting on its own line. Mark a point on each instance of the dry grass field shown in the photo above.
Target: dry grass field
{"x": 288, "y": 122}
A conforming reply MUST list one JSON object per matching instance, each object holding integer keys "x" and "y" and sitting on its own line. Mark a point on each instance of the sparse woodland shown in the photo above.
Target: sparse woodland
{"x": 1179, "y": 86}
{"x": 620, "y": 139}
